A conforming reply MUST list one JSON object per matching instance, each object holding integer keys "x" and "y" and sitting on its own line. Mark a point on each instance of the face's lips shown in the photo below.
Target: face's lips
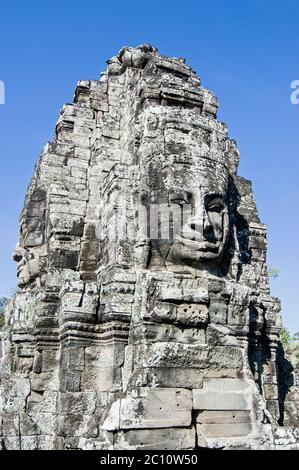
{"x": 191, "y": 234}
{"x": 194, "y": 245}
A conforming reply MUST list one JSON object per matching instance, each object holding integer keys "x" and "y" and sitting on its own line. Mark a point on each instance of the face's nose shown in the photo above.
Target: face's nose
{"x": 200, "y": 221}
{"x": 207, "y": 223}
{"x": 209, "y": 229}
{"x": 193, "y": 219}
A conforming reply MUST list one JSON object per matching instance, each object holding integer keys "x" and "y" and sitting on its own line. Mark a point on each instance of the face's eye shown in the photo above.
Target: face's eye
{"x": 215, "y": 208}
{"x": 179, "y": 201}
{"x": 216, "y": 205}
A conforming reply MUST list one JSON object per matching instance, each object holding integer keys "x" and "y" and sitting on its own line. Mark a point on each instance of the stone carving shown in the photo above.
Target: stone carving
{"x": 32, "y": 236}
{"x": 200, "y": 220}
{"x": 144, "y": 317}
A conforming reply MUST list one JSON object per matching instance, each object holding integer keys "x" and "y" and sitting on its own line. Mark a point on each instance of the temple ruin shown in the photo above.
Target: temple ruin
{"x": 144, "y": 318}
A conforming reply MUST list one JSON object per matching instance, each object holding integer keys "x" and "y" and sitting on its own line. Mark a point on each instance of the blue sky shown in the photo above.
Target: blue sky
{"x": 246, "y": 51}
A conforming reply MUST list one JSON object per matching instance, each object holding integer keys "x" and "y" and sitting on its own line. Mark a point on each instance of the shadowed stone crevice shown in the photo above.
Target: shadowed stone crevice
{"x": 286, "y": 380}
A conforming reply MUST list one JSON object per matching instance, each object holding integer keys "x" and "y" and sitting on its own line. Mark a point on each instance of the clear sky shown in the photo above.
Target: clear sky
{"x": 246, "y": 51}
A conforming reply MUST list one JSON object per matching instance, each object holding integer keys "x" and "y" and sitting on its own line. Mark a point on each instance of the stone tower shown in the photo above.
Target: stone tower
{"x": 144, "y": 317}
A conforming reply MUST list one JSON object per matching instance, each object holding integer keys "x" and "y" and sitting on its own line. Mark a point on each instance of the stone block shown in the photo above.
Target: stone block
{"x": 72, "y": 425}
{"x": 72, "y": 359}
{"x": 192, "y": 314}
{"x": 156, "y": 439}
{"x": 90, "y": 250}
{"x": 29, "y": 443}
{"x": 12, "y": 443}
{"x": 49, "y": 360}
{"x": 14, "y": 393}
{"x": 103, "y": 442}
{"x": 105, "y": 356}
{"x": 39, "y": 382}
{"x": 221, "y": 335}
{"x": 110, "y": 420}
{"x": 46, "y": 422}
{"x": 223, "y": 430}
{"x": 102, "y": 399}
{"x": 195, "y": 290}
{"x": 167, "y": 377}
{"x": 211, "y": 400}
{"x": 221, "y": 357}
{"x": 237, "y": 315}
{"x": 101, "y": 379}
{"x": 119, "y": 275}
{"x": 169, "y": 333}
{"x": 218, "y": 312}
{"x": 269, "y": 369}
{"x": 163, "y": 312}
{"x": 171, "y": 355}
{"x": 271, "y": 391}
{"x": 44, "y": 403}
{"x": 77, "y": 403}
{"x": 34, "y": 401}
{"x": 225, "y": 385}
{"x": 11, "y": 424}
{"x": 273, "y": 407}
{"x": 50, "y": 443}
{"x": 223, "y": 417}
{"x": 156, "y": 408}
{"x": 71, "y": 443}
{"x": 66, "y": 259}
{"x": 27, "y": 426}
{"x": 70, "y": 381}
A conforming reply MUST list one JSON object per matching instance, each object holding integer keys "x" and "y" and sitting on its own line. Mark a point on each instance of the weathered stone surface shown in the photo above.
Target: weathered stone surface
{"x": 224, "y": 424}
{"x": 143, "y": 318}
{"x": 165, "y": 354}
{"x": 207, "y": 400}
{"x": 223, "y": 417}
{"x": 156, "y": 439}
{"x": 29, "y": 443}
{"x": 156, "y": 408}
{"x": 224, "y": 430}
{"x": 168, "y": 377}
{"x": 150, "y": 408}
{"x": 14, "y": 392}
{"x": 77, "y": 403}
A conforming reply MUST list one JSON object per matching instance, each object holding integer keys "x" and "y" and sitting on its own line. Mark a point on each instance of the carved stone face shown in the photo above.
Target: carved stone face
{"x": 192, "y": 206}
{"x": 204, "y": 229}
{"x": 32, "y": 235}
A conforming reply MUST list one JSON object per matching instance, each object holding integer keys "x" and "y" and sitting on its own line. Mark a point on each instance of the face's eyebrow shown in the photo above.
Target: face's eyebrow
{"x": 215, "y": 195}
{"x": 179, "y": 191}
